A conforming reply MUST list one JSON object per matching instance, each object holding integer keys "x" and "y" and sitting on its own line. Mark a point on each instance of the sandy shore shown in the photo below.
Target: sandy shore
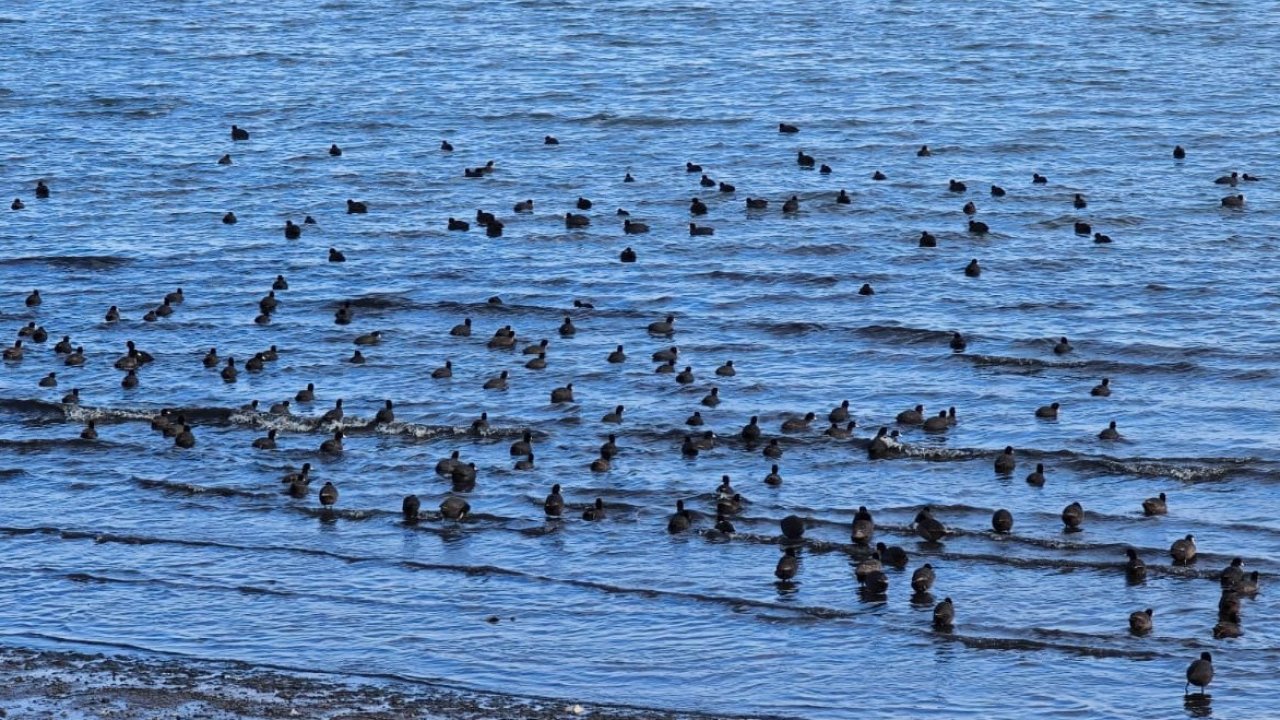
{"x": 75, "y": 686}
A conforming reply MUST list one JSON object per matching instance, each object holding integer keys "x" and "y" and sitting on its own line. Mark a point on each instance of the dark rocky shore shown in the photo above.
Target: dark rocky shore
{"x": 73, "y": 686}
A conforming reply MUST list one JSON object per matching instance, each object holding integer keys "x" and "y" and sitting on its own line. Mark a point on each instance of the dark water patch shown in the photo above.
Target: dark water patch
{"x": 71, "y": 262}
{"x": 184, "y": 488}
{"x": 1095, "y": 366}
{"x": 908, "y": 335}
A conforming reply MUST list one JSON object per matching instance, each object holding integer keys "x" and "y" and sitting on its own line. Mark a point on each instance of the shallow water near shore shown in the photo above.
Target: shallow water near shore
{"x": 129, "y": 543}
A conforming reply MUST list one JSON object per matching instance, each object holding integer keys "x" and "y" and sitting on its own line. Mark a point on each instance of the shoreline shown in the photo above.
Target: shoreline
{"x": 73, "y": 685}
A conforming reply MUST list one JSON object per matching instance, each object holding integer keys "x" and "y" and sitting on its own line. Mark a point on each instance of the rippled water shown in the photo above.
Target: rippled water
{"x": 130, "y": 542}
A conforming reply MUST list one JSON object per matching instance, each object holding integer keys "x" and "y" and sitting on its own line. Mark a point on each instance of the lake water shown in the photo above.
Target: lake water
{"x": 127, "y": 542}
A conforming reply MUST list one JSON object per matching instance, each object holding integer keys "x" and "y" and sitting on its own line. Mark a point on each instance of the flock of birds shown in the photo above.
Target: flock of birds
{"x": 1236, "y": 583}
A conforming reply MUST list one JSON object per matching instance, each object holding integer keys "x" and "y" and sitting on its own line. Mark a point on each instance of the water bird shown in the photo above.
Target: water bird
{"x": 956, "y": 186}
{"x": 628, "y": 255}
{"x": 1140, "y": 622}
{"x": 792, "y": 527}
{"x": 1048, "y": 412}
{"x": 1199, "y": 673}
{"x": 595, "y": 512}
{"x": 1102, "y": 389}
{"x": 1002, "y": 521}
{"x": 922, "y": 579}
{"x": 562, "y": 394}
{"x": 230, "y": 218}
{"x": 1233, "y": 201}
{"x": 1183, "y": 550}
{"x": 1155, "y": 505}
{"x": 1179, "y": 153}
{"x": 866, "y": 289}
{"x": 712, "y": 398}
{"x": 499, "y": 382}
{"x": 1005, "y": 461}
{"x": 336, "y": 255}
{"x": 455, "y": 508}
{"x": 185, "y": 439}
{"x": 239, "y": 133}
{"x": 928, "y": 527}
{"x": 803, "y": 160}
{"x": 792, "y": 205}
{"x": 1073, "y": 517}
{"x": 614, "y": 417}
{"x": 944, "y": 615}
{"x": 787, "y": 565}
{"x": 878, "y": 176}
{"x": 788, "y": 128}
{"x": 554, "y": 503}
{"x": 794, "y": 425}
{"x": 446, "y": 146}
{"x": 1036, "y": 479}
{"x": 334, "y": 414}
{"x": 1109, "y": 432}
{"x": 924, "y": 151}
{"x": 726, "y": 370}
{"x": 696, "y": 230}
{"x": 680, "y": 520}
{"x": 1083, "y": 228}
{"x": 1038, "y": 179}
{"x": 1101, "y": 239}
{"x": 444, "y": 371}
{"x": 1062, "y": 347}
{"x": 355, "y": 207}
{"x": 842, "y": 198}
{"x": 1134, "y": 568}
{"x": 410, "y": 508}
{"x": 912, "y": 416}
{"x": 90, "y": 431}
{"x": 266, "y": 443}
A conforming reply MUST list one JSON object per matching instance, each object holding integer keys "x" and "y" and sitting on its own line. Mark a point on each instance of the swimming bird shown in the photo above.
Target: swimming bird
{"x": 922, "y": 579}
{"x": 266, "y": 443}
{"x": 793, "y": 425}
{"x": 386, "y": 414}
{"x": 130, "y": 380}
{"x": 923, "y": 151}
{"x": 72, "y": 398}
{"x": 937, "y": 423}
{"x": 410, "y": 508}
{"x": 634, "y": 228}
{"x": 773, "y": 479}
{"x": 1083, "y": 228}
{"x": 554, "y": 504}
{"x": 697, "y": 207}
{"x": 1134, "y": 568}
{"x": 1036, "y": 479}
{"x": 680, "y": 520}
{"x": 773, "y": 450}
{"x": 1183, "y": 550}
{"x": 751, "y": 431}
{"x": 328, "y": 496}
{"x": 334, "y": 414}
{"x": 225, "y": 159}
{"x": 688, "y": 448}
{"x": 727, "y": 187}
{"x": 787, "y": 128}
{"x": 944, "y": 615}
{"x": 239, "y": 133}
{"x": 333, "y": 445}
{"x": 562, "y": 394}
{"x": 757, "y": 203}
{"x": 1179, "y": 153}
{"x": 499, "y": 382}
{"x": 956, "y": 186}
{"x": 973, "y": 269}
{"x": 1109, "y": 432}
{"x": 792, "y": 527}
{"x": 1002, "y": 521}
{"x": 455, "y": 508}
{"x": 1233, "y": 201}
{"x": 1048, "y": 412}
{"x": 90, "y": 431}
{"x": 663, "y": 327}
{"x": 803, "y": 160}
{"x": 356, "y": 207}
{"x": 892, "y": 555}
{"x": 1005, "y": 462}
{"x": 1062, "y": 347}
{"x": 1073, "y": 517}
{"x": 444, "y": 371}
{"x": 787, "y": 565}
{"x": 928, "y": 527}
{"x": 1199, "y": 673}
{"x": 877, "y": 176}
{"x": 1038, "y": 179}
{"x": 866, "y": 567}
{"x": 595, "y": 512}
{"x": 864, "y": 526}
{"x": 977, "y": 227}
{"x": 617, "y": 356}
{"x": 601, "y": 464}
{"x": 628, "y": 255}
{"x": 572, "y": 221}
{"x": 462, "y": 329}
{"x": 696, "y": 230}
{"x": 445, "y": 466}
{"x": 792, "y": 205}
{"x": 609, "y": 449}
{"x": 695, "y": 419}
{"x": 1233, "y": 574}
{"x": 927, "y": 239}
{"x": 185, "y": 438}
{"x": 842, "y": 198}
{"x": 230, "y": 218}
{"x": 1155, "y": 506}
{"x": 48, "y": 381}
{"x": 291, "y": 231}
{"x": 336, "y": 255}
{"x": 1231, "y": 179}
{"x": 958, "y": 342}
{"x": 614, "y": 417}
{"x": 912, "y": 416}
{"x": 549, "y": 140}
{"x": 463, "y": 477}
{"x": 229, "y": 371}
{"x": 1140, "y": 622}
{"x": 712, "y": 398}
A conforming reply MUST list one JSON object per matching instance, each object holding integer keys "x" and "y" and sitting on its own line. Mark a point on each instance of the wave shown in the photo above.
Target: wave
{"x": 1098, "y": 366}
{"x": 71, "y": 262}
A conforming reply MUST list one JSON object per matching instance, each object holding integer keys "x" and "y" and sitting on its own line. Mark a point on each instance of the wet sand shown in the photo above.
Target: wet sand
{"x": 76, "y": 686}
